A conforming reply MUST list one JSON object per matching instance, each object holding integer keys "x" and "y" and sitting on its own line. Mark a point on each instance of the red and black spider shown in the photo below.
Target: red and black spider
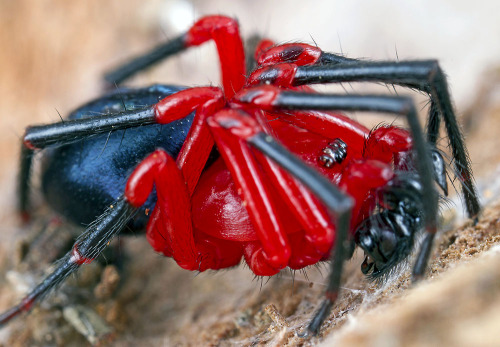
{"x": 259, "y": 168}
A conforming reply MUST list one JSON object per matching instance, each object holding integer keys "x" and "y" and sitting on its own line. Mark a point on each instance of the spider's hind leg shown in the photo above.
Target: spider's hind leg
{"x": 272, "y": 98}
{"x": 85, "y": 250}
{"x": 222, "y": 30}
{"x": 426, "y": 76}
{"x": 338, "y": 204}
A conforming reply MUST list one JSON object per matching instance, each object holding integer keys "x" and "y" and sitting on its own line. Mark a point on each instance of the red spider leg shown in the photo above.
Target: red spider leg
{"x": 170, "y": 229}
{"x": 290, "y": 56}
{"x": 337, "y": 202}
{"x": 279, "y": 74}
{"x": 222, "y": 30}
{"x": 296, "y": 53}
{"x": 159, "y": 169}
{"x": 225, "y": 33}
{"x": 199, "y": 142}
{"x": 254, "y": 187}
{"x": 385, "y": 143}
{"x": 319, "y": 231}
{"x": 322, "y": 123}
{"x": 300, "y": 54}
{"x": 261, "y": 47}
{"x": 214, "y": 253}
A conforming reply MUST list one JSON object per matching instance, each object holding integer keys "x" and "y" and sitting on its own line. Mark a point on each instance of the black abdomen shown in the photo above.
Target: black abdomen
{"x": 81, "y": 179}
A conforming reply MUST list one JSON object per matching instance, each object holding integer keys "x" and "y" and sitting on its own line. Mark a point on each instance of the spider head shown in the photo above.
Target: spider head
{"x": 388, "y": 236}
{"x": 387, "y": 239}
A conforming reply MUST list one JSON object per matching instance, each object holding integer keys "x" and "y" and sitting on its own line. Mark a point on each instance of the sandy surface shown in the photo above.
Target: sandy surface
{"x": 54, "y": 56}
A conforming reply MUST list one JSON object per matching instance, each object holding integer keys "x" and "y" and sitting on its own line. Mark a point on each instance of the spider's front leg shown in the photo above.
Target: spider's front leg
{"x": 170, "y": 230}
{"x": 241, "y": 126}
{"x": 300, "y": 64}
{"x": 170, "y": 109}
{"x": 222, "y": 30}
{"x": 86, "y": 248}
{"x": 271, "y": 98}
{"x": 257, "y": 176}
{"x": 155, "y": 168}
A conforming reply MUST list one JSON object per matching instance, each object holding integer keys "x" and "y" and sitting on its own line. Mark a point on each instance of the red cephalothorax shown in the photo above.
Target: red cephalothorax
{"x": 268, "y": 171}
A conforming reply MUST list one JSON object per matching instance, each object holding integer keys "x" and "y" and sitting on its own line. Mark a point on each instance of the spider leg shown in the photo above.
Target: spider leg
{"x": 222, "y": 30}
{"x": 169, "y": 109}
{"x": 144, "y": 61}
{"x": 170, "y": 229}
{"x": 159, "y": 169}
{"x": 255, "y": 191}
{"x": 206, "y": 101}
{"x": 309, "y": 245}
{"x": 296, "y": 53}
{"x": 271, "y": 98}
{"x": 42, "y": 136}
{"x": 338, "y": 204}
{"x": 199, "y": 141}
{"x": 88, "y": 247}
{"x": 23, "y": 182}
{"x": 425, "y": 75}
{"x": 319, "y": 231}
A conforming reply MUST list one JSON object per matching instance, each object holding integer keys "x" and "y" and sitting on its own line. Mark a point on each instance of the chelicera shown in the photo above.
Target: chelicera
{"x": 259, "y": 169}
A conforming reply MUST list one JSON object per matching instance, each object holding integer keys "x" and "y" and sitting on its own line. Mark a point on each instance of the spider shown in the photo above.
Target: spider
{"x": 260, "y": 168}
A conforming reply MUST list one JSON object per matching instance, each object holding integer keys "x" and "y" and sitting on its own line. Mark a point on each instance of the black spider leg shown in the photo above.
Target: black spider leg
{"x": 161, "y": 52}
{"x": 397, "y": 105}
{"x": 426, "y": 76}
{"x": 338, "y": 204}
{"x": 23, "y": 183}
{"x": 143, "y": 61}
{"x": 86, "y": 248}
{"x": 42, "y": 136}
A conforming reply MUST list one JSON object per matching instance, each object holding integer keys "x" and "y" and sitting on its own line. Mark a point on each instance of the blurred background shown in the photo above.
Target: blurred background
{"x": 53, "y": 53}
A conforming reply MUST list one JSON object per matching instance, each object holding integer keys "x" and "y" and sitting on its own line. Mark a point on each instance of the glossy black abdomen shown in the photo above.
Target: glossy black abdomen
{"x": 81, "y": 179}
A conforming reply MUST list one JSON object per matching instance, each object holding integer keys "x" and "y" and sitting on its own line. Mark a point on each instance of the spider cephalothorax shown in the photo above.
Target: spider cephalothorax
{"x": 259, "y": 169}
{"x": 388, "y": 236}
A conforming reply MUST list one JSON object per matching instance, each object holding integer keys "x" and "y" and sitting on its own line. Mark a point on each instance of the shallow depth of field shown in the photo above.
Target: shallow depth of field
{"x": 52, "y": 58}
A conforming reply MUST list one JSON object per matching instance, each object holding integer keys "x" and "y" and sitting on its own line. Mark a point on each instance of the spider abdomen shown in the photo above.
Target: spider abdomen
{"x": 79, "y": 180}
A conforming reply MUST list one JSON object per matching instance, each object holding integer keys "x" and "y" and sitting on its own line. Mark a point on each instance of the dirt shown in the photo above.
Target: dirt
{"x": 136, "y": 297}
